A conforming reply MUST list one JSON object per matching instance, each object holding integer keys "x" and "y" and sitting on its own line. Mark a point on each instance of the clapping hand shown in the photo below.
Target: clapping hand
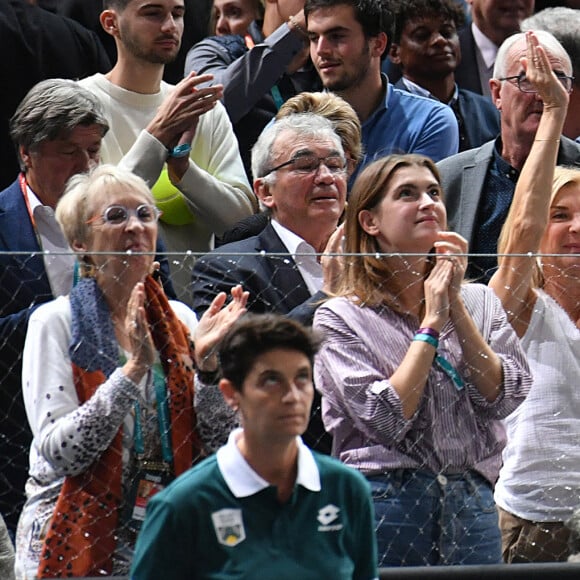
{"x": 182, "y": 108}
{"x": 332, "y": 261}
{"x": 137, "y": 329}
{"x": 442, "y": 286}
{"x": 452, "y": 248}
{"x": 214, "y": 324}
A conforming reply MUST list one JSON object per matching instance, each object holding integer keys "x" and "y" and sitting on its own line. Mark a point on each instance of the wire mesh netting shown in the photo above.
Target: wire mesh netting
{"x": 545, "y": 428}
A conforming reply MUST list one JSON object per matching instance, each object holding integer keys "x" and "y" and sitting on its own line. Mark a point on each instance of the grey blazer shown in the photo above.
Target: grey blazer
{"x": 463, "y": 178}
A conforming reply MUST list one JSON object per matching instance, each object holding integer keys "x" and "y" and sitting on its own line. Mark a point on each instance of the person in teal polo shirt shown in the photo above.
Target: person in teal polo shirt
{"x": 265, "y": 505}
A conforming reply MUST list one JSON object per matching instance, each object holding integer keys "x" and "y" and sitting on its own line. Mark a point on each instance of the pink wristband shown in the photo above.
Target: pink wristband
{"x": 430, "y": 331}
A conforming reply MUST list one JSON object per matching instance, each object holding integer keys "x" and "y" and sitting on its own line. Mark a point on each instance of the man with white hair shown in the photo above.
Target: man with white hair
{"x": 492, "y": 22}
{"x": 564, "y": 24}
{"x": 480, "y": 183}
{"x": 300, "y": 175}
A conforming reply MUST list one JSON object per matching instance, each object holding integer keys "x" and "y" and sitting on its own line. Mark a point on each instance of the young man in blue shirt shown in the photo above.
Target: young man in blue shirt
{"x": 348, "y": 40}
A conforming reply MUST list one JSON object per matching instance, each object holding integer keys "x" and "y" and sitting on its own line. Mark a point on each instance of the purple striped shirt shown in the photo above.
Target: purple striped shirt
{"x": 453, "y": 430}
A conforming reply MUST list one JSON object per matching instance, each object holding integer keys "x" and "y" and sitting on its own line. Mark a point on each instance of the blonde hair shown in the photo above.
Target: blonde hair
{"x": 562, "y": 176}
{"x": 365, "y": 277}
{"x": 338, "y": 111}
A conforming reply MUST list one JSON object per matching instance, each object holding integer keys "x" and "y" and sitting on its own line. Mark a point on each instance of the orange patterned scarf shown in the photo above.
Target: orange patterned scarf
{"x": 81, "y": 538}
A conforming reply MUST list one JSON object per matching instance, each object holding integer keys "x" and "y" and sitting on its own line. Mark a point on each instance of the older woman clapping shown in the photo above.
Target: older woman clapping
{"x": 108, "y": 376}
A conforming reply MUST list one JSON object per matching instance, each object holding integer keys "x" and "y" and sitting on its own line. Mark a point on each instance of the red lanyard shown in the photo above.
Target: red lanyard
{"x": 24, "y": 189}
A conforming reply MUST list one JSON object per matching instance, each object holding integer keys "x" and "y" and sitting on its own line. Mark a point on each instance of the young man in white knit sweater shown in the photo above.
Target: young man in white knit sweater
{"x": 183, "y": 129}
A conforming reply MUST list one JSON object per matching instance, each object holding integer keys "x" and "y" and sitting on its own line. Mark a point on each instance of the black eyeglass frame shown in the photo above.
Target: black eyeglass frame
{"x": 314, "y": 170}
{"x": 518, "y": 79}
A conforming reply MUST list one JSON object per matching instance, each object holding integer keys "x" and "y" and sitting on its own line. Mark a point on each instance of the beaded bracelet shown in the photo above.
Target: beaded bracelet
{"x": 430, "y": 331}
{"x": 421, "y": 337}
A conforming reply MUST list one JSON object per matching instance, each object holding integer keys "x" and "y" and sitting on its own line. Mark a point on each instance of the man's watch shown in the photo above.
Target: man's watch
{"x": 178, "y": 151}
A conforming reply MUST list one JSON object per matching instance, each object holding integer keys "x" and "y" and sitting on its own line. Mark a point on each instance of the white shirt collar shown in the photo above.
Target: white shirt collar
{"x": 243, "y": 481}
{"x": 304, "y": 256}
{"x": 59, "y": 261}
{"x": 292, "y": 241}
{"x": 33, "y": 201}
{"x": 487, "y": 48}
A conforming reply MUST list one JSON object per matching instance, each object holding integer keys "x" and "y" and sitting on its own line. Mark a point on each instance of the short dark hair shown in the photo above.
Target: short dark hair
{"x": 255, "y": 334}
{"x": 115, "y": 4}
{"x": 374, "y": 16}
{"x": 405, "y": 10}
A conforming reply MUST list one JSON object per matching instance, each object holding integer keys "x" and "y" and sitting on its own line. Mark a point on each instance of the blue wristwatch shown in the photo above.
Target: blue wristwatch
{"x": 182, "y": 150}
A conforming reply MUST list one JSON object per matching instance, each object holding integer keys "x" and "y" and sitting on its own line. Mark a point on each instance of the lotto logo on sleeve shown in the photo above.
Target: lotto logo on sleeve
{"x": 328, "y": 517}
{"x": 229, "y": 527}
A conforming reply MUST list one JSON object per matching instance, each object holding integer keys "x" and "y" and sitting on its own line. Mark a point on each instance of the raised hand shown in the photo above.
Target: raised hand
{"x": 436, "y": 290}
{"x": 540, "y": 74}
{"x": 452, "y": 247}
{"x": 332, "y": 262}
{"x": 214, "y": 324}
{"x": 181, "y": 110}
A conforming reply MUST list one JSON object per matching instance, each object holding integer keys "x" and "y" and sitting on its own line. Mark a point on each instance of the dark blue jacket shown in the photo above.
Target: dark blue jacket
{"x": 479, "y": 114}
{"x": 467, "y": 72}
{"x": 275, "y": 285}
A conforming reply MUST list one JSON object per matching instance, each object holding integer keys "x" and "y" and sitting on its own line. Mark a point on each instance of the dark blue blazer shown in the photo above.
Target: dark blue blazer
{"x": 480, "y": 116}
{"x": 24, "y": 285}
{"x": 275, "y": 285}
{"x": 274, "y": 282}
{"x": 467, "y": 73}
{"x": 23, "y": 280}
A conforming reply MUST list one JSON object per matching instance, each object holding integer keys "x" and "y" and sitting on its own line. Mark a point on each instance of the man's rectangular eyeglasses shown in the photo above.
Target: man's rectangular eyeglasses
{"x": 116, "y": 215}
{"x": 311, "y": 163}
{"x": 527, "y": 87}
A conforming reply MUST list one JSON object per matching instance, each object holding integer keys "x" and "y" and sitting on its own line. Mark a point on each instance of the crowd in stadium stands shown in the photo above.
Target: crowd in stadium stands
{"x": 185, "y": 189}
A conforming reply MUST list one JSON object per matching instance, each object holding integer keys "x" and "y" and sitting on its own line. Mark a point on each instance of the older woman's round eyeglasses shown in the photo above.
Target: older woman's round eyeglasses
{"x": 525, "y": 86}
{"x": 116, "y": 215}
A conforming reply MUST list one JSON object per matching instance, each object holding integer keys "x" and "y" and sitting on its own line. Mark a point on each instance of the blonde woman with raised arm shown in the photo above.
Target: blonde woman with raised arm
{"x": 539, "y": 483}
